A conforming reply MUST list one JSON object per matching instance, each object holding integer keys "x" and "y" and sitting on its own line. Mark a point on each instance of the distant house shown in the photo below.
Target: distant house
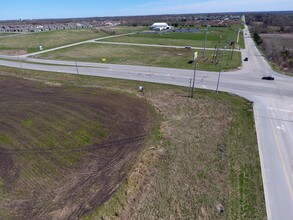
{"x": 160, "y": 26}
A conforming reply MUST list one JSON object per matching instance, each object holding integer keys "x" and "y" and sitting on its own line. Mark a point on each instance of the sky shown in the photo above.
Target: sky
{"x": 34, "y": 9}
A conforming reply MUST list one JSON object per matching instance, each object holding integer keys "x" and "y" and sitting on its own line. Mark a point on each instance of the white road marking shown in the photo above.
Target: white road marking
{"x": 281, "y": 127}
{"x": 279, "y": 109}
{"x": 285, "y": 110}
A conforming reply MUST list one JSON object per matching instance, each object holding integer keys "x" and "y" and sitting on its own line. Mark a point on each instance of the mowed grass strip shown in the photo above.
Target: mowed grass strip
{"x": 50, "y": 39}
{"x": 144, "y": 56}
{"x": 216, "y": 36}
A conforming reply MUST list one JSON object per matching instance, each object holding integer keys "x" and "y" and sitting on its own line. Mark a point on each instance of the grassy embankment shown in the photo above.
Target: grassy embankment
{"x": 204, "y": 153}
{"x": 208, "y": 156}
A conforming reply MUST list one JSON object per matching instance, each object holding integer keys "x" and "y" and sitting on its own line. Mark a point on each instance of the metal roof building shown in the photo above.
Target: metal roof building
{"x": 159, "y": 26}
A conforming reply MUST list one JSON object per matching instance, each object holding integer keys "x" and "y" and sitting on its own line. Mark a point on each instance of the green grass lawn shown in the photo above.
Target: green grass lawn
{"x": 49, "y": 39}
{"x": 216, "y": 36}
{"x": 139, "y": 55}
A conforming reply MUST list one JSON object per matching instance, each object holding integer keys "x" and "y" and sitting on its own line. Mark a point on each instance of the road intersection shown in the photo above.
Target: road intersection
{"x": 273, "y": 108}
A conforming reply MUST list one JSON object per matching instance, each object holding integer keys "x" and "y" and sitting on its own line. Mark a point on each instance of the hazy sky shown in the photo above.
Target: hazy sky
{"x": 31, "y": 9}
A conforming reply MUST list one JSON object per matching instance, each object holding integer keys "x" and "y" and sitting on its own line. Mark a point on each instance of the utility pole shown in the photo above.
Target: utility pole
{"x": 190, "y": 85}
{"x": 233, "y": 47}
{"x": 194, "y": 73}
{"x": 220, "y": 70}
{"x": 76, "y": 68}
{"x": 228, "y": 57}
{"x": 214, "y": 54}
{"x": 20, "y": 64}
{"x": 205, "y": 42}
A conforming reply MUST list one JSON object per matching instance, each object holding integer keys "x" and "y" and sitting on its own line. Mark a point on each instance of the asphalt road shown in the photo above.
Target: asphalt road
{"x": 273, "y": 109}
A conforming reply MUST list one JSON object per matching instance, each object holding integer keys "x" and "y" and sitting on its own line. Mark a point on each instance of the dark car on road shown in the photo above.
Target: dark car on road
{"x": 268, "y": 78}
{"x": 246, "y": 59}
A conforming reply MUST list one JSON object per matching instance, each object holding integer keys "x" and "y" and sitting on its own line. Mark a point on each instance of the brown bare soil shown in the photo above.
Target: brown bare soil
{"x": 65, "y": 150}
{"x": 13, "y": 52}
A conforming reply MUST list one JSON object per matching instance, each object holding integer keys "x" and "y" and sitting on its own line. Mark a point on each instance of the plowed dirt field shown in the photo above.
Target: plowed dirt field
{"x": 65, "y": 150}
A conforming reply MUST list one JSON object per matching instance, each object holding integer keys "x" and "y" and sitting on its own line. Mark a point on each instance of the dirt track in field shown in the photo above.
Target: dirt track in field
{"x": 70, "y": 191}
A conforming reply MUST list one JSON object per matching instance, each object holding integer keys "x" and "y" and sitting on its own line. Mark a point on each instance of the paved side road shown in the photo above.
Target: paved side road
{"x": 151, "y": 45}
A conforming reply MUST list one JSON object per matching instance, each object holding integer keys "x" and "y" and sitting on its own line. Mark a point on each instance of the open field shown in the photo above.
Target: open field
{"x": 127, "y": 29}
{"x": 139, "y": 55}
{"x": 278, "y": 48}
{"x": 203, "y": 153}
{"x": 29, "y": 43}
{"x": 216, "y": 36}
{"x": 279, "y": 40}
{"x": 64, "y": 150}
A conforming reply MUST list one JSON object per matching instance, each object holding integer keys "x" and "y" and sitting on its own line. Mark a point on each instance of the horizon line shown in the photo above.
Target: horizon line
{"x": 145, "y": 15}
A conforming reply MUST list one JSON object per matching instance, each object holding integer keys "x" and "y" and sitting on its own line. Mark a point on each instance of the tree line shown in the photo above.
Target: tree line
{"x": 272, "y": 23}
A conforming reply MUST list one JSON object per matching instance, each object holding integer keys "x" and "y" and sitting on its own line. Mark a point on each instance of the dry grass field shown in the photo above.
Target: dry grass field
{"x": 278, "y": 49}
{"x": 207, "y": 156}
{"x": 279, "y": 40}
